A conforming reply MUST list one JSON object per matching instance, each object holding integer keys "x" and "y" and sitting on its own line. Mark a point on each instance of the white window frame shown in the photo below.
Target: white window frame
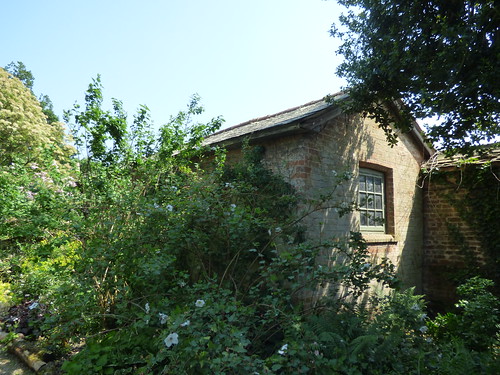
{"x": 371, "y": 201}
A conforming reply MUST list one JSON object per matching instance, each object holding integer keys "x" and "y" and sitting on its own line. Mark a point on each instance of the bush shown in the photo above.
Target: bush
{"x": 151, "y": 264}
{"x": 476, "y": 321}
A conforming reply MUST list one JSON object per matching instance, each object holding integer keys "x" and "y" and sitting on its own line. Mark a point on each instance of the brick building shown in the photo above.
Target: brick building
{"x": 312, "y": 144}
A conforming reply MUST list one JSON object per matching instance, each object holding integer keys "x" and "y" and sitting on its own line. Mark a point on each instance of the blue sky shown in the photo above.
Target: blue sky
{"x": 244, "y": 58}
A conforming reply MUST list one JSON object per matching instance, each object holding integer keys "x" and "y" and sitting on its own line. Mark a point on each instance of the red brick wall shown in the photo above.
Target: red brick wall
{"x": 450, "y": 244}
{"x": 310, "y": 162}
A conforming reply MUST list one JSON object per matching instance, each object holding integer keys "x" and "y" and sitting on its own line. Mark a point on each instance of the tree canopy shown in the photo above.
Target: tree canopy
{"x": 20, "y": 71}
{"x": 441, "y": 58}
{"x": 24, "y": 130}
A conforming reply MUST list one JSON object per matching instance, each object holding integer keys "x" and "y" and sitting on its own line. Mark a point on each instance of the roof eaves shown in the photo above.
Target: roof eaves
{"x": 281, "y": 123}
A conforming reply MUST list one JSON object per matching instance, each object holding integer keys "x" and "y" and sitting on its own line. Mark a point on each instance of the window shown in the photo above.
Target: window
{"x": 371, "y": 200}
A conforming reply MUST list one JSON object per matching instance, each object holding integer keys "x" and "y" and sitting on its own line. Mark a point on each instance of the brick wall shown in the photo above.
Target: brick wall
{"x": 450, "y": 244}
{"x": 308, "y": 161}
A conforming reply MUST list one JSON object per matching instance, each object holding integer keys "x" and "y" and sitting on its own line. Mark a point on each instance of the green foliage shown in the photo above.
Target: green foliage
{"x": 440, "y": 58}
{"x": 95, "y": 127}
{"x": 48, "y": 108}
{"x": 21, "y": 72}
{"x": 476, "y": 322}
{"x": 5, "y": 296}
{"x": 26, "y": 135}
{"x": 480, "y": 207}
{"x": 478, "y": 204}
{"x": 159, "y": 265}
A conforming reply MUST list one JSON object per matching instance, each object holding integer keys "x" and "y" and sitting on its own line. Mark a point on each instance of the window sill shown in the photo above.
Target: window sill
{"x": 378, "y": 237}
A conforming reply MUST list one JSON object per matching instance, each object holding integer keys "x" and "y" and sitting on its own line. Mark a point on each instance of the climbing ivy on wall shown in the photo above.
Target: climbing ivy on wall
{"x": 480, "y": 207}
{"x": 476, "y": 197}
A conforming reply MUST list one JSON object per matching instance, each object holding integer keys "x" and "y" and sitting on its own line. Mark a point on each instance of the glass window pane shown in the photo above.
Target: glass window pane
{"x": 371, "y": 222}
{"x": 378, "y": 185}
{"x": 378, "y": 202}
{"x": 362, "y": 183}
{"x": 370, "y": 201}
{"x": 369, "y": 183}
{"x": 362, "y": 200}
{"x": 363, "y": 218}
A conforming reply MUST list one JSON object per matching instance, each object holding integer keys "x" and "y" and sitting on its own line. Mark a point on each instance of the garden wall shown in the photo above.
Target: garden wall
{"x": 461, "y": 229}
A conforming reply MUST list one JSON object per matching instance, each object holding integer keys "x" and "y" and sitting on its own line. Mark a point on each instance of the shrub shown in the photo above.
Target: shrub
{"x": 476, "y": 321}
{"x": 157, "y": 265}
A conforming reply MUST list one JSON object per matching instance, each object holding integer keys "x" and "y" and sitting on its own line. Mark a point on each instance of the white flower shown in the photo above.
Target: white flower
{"x": 199, "y": 303}
{"x": 44, "y": 177}
{"x": 169, "y": 207}
{"x": 415, "y": 307}
{"x": 365, "y": 266}
{"x": 423, "y": 316}
{"x": 71, "y": 182}
{"x": 278, "y": 229}
{"x": 34, "y": 305}
{"x": 34, "y": 166}
{"x": 233, "y": 207}
{"x": 30, "y": 195}
{"x": 229, "y": 185}
{"x": 186, "y": 323}
{"x": 334, "y": 173}
{"x": 146, "y": 307}
{"x": 172, "y": 339}
{"x": 163, "y": 318}
{"x": 423, "y": 329}
{"x": 283, "y": 349}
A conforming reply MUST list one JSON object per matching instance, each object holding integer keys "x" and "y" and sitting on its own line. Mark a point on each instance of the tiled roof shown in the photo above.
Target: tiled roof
{"x": 305, "y": 118}
{"x": 275, "y": 123}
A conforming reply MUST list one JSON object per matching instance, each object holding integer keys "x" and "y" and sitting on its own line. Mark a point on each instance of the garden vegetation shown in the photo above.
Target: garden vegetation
{"x": 145, "y": 253}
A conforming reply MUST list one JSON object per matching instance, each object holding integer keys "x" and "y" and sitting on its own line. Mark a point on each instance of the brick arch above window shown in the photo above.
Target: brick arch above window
{"x": 388, "y": 196}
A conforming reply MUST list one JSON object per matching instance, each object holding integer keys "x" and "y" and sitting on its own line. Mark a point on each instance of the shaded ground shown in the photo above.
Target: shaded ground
{"x": 11, "y": 365}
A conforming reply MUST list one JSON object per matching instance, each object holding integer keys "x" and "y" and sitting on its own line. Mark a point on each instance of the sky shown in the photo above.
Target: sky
{"x": 246, "y": 59}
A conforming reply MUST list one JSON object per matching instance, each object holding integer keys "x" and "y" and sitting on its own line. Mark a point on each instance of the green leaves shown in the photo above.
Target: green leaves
{"x": 440, "y": 60}
{"x": 95, "y": 129}
{"x": 162, "y": 266}
{"x": 26, "y": 135}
